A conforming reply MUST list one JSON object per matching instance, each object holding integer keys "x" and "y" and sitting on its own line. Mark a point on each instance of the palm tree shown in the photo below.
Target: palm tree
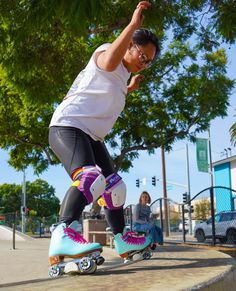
{"x": 232, "y": 131}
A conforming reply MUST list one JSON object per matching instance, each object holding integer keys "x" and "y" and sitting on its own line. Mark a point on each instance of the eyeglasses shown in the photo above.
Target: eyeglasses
{"x": 143, "y": 58}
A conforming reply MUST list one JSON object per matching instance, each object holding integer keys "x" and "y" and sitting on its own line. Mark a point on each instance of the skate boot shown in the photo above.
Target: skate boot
{"x": 129, "y": 244}
{"x": 67, "y": 243}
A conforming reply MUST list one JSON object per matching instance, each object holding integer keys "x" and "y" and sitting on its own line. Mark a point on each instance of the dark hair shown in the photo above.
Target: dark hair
{"x": 144, "y": 36}
{"x": 146, "y": 193}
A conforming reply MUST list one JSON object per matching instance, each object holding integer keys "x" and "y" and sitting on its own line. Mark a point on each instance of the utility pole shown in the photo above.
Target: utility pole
{"x": 188, "y": 190}
{"x": 23, "y": 207}
{"x": 166, "y": 224}
{"x": 210, "y": 157}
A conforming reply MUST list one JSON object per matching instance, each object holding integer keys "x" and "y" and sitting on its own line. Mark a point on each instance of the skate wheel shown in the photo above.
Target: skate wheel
{"x": 137, "y": 257}
{"x": 71, "y": 268}
{"x": 93, "y": 268}
{"x": 147, "y": 255}
{"x": 100, "y": 260}
{"x": 153, "y": 247}
{"x": 55, "y": 271}
{"x": 85, "y": 264}
{"x": 127, "y": 261}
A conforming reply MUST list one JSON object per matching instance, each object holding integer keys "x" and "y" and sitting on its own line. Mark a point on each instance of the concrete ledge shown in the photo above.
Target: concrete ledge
{"x": 6, "y": 233}
{"x": 171, "y": 268}
{"x": 225, "y": 281}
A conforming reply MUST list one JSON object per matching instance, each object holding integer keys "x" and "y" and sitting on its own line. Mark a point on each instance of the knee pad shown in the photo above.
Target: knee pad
{"x": 115, "y": 192}
{"x": 91, "y": 182}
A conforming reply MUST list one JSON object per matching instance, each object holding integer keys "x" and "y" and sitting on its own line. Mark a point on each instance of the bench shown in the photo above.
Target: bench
{"x": 97, "y": 232}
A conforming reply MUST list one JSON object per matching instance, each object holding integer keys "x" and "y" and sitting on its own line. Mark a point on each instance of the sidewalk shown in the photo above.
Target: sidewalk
{"x": 172, "y": 267}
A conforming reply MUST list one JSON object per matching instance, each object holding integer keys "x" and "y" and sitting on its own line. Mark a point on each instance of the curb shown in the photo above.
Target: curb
{"x": 8, "y": 232}
{"x": 225, "y": 281}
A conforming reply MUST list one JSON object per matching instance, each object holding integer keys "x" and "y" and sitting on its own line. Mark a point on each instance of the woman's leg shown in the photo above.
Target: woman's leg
{"x": 114, "y": 217}
{"x": 143, "y": 227}
{"x": 158, "y": 235}
{"x": 114, "y": 197}
{"x": 73, "y": 148}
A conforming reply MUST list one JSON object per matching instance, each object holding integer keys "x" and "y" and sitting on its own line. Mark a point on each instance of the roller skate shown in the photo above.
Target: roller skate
{"x": 67, "y": 243}
{"x": 130, "y": 246}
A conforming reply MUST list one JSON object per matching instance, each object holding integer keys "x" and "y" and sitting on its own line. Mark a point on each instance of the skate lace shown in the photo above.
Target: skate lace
{"x": 131, "y": 238}
{"x": 75, "y": 236}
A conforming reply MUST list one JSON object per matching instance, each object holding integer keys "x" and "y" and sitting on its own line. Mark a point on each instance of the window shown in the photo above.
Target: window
{"x": 226, "y": 217}
{"x": 217, "y": 218}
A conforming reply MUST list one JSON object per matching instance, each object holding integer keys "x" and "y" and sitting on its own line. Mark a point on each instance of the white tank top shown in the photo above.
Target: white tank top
{"x": 95, "y": 99}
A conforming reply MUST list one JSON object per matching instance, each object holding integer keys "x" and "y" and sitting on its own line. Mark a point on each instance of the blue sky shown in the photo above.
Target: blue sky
{"x": 147, "y": 166}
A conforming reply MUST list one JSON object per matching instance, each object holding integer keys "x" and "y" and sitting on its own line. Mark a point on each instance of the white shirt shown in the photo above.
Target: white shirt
{"x": 95, "y": 99}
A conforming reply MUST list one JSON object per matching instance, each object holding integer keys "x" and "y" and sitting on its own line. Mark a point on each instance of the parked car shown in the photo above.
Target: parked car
{"x": 186, "y": 227}
{"x": 225, "y": 228}
{"x": 174, "y": 228}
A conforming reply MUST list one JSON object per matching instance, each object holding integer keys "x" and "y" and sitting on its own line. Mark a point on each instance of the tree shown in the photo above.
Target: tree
{"x": 40, "y": 198}
{"x": 45, "y": 44}
{"x": 233, "y": 133}
{"x": 175, "y": 218}
{"x": 10, "y": 200}
{"x": 202, "y": 209}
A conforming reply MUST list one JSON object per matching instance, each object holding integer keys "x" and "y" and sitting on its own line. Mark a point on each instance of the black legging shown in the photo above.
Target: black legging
{"x": 76, "y": 149}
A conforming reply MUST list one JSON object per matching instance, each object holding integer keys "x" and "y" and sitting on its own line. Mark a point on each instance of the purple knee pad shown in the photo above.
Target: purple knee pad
{"x": 115, "y": 192}
{"x": 92, "y": 183}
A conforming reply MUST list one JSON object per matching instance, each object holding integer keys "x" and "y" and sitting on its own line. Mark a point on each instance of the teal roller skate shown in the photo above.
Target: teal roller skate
{"x": 67, "y": 243}
{"x": 129, "y": 244}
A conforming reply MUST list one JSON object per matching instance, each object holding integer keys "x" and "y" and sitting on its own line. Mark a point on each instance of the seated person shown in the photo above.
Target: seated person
{"x": 142, "y": 221}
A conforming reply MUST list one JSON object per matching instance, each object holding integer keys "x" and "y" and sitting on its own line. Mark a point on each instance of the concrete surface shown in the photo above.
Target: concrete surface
{"x": 6, "y": 233}
{"x": 172, "y": 267}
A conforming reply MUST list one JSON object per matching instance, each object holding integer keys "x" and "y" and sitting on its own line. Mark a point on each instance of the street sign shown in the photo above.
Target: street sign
{"x": 202, "y": 154}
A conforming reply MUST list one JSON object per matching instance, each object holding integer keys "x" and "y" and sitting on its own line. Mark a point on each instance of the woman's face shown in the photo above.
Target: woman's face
{"x": 139, "y": 57}
{"x": 144, "y": 198}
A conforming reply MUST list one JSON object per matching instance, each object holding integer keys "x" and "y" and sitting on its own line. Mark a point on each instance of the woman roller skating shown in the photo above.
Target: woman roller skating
{"x": 77, "y": 130}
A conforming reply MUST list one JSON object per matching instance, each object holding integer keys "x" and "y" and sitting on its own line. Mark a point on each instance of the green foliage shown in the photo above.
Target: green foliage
{"x": 225, "y": 19}
{"x": 40, "y": 198}
{"x": 10, "y": 197}
{"x": 182, "y": 102}
{"x": 175, "y": 218}
{"x": 24, "y": 129}
{"x": 44, "y": 44}
{"x": 202, "y": 209}
{"x": 233, "y": 134}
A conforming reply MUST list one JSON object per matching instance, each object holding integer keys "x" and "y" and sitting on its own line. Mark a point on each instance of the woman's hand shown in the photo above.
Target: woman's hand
{"x": 135, "y": 82}
{"x": 109, "y": 59}
{"x": 137, "y": 18}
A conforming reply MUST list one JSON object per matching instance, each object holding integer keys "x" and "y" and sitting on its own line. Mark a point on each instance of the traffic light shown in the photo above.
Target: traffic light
{"x": 185, "y": 197}
{"x": 154, "y": 181}
{"x": 191, "y": 209}
{"x": 137, "y": 183}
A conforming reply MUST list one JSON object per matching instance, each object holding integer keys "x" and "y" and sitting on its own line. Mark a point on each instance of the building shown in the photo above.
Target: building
{"x": 225, "y": 175}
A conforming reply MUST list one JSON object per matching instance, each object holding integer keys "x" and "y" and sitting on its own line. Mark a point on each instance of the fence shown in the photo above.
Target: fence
{"x": 209, "y": 217}
{"x": 213, "y": 219}
{"x": 34, "y": 225}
